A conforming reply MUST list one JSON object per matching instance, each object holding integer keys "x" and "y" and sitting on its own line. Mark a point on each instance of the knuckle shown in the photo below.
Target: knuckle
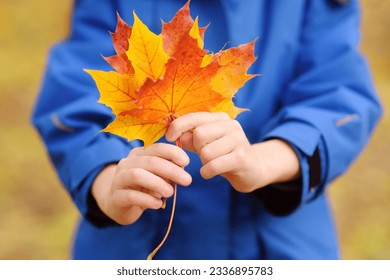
{"x": 130, "y": 199}
{"x": 199, "y": 134}
{"x": 134, "y": 151}
{"x": 136, "y": 174}
{"x": 153, "y": 162}
{"x": 205, "y": 154}
{"x": 224, "y": 115}
{"x": 122, "y": 162}
{"x": 159, "y": 147}
{"x": 240, "y": 155}
{"x": 192, "y": 116}
{"x": 236, "y": 124}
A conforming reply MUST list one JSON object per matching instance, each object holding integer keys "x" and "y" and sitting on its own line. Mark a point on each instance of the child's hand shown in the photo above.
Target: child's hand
{"x": 225, "y": 150}
{"x": 140, "y": 181}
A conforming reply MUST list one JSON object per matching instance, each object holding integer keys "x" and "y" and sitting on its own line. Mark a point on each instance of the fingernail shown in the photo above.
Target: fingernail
{"x": 184, "y": 161}
{"x": 185, "y": 179}
{"x": 168, "y": 192}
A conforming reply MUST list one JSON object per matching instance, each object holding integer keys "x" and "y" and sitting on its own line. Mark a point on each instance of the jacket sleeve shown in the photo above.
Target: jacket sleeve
{"x": 67, "y": 114}
{"x": 329, "y": 109}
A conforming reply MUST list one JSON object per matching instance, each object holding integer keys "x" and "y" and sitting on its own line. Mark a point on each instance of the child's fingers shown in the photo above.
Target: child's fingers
{"x": 220, "y": 165}
{"x": 161, "y": 167}
{"x": 191, "y": 121}
{"x": 165, "y": 169}
{"x": 218, "y": 148}
{"x": 129, "y": 198}
{"x": 142, "y": 178}
{"x": 210, "y": 132}
{"x": 166, "y": 151}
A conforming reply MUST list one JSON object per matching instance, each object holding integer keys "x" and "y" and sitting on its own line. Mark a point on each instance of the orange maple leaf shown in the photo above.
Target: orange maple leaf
{"x": 161, "y": 77}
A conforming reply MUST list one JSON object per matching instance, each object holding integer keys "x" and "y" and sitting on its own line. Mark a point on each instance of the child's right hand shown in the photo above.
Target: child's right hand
{"x": 125, "y": 190}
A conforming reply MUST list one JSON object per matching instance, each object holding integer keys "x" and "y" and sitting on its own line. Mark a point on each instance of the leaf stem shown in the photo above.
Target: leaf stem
{"x": 151, "y": 255}
{"x": 154, "y": 252}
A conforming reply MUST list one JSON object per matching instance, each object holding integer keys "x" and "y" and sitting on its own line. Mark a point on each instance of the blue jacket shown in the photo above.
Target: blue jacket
{"x": 315, "y": 92}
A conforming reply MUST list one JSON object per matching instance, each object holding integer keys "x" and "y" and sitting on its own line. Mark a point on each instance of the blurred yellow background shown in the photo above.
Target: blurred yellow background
{"x": 37, "y": 217}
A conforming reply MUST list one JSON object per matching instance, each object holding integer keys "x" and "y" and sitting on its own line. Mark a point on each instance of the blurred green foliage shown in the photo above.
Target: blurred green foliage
{"x": 37, "y": 217}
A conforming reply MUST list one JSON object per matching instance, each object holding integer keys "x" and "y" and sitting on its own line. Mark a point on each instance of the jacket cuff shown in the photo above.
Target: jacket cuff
{"x": 83, "y": 169}
{"x": 92, "y": 211}
{"x": 306, "y": 140}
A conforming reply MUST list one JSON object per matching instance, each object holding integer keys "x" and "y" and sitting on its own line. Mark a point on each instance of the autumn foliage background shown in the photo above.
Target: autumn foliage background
{"x": 36, "y": 215}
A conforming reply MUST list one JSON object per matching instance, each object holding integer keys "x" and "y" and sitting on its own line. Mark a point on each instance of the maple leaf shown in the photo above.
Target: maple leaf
{"x": 161, "y": 77}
